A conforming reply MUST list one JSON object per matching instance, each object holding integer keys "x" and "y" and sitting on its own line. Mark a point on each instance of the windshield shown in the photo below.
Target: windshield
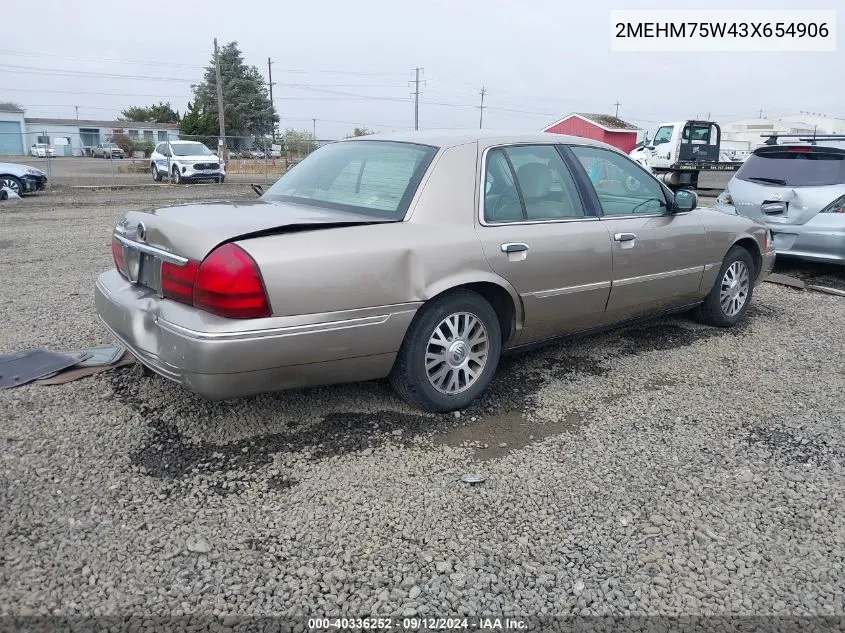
{"x": 375, "y": 178}
{"x": 797, "y": 167}
{"x": 191, "y": 149}
{"x": 109, "y": 145}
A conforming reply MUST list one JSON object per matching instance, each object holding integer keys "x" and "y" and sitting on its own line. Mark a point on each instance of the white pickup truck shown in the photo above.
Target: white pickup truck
{"x": 679, "y": 151}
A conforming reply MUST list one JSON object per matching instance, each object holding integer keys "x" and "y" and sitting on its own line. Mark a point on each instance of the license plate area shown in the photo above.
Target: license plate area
{"x": 143, "y": 269}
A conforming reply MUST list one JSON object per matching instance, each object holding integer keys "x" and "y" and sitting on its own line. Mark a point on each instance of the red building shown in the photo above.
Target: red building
{"x": 599, "y": 127}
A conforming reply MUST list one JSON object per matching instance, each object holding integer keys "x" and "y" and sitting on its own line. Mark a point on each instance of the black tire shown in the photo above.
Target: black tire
{"x": 409, "y": 377}
{"x": 12, "y": 183}
{"x": 156, "y": 173}
{"x": 176, "y": 176}
{"x": 712, "y": 311}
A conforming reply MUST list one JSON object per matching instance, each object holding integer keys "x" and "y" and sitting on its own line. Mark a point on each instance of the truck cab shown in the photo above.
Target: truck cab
{"x": 679, "y": 150}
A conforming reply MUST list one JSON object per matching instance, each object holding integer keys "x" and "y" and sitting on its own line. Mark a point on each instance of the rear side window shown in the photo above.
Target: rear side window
{"x": 802, "y": 167}
{"x": 529, "y": 182}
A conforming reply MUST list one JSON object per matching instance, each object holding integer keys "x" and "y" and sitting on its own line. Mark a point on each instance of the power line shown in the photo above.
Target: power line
{"x": 140, "y": 62}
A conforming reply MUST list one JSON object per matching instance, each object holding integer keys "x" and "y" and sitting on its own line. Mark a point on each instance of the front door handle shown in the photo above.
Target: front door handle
{"x": 514, "y": 247}
{"x": 625, "y": 237}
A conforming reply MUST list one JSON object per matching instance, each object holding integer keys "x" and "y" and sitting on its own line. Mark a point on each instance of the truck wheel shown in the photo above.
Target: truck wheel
{"x": 449, "y": 354}
{"x": 729, "y": 298}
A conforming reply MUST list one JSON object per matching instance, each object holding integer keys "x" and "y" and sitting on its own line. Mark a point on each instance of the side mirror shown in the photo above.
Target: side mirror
{"x": 685, "y": 200}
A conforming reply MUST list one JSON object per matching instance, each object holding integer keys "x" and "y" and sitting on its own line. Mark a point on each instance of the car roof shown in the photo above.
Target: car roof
{"x": 801, "y": 147}
{"x": 451, "y": 138}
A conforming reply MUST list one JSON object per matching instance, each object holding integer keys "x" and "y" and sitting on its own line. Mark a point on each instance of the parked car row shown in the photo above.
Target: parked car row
{"x": 421, "y": 257}
{"x": 256, "y": 154}
{"x": 798, "y": 191}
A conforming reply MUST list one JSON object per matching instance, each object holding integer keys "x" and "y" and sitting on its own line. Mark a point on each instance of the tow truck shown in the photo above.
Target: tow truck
{"x": 679, "y": 151}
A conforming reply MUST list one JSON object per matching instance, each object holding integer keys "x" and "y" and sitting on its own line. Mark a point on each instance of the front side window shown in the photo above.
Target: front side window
{"x": 376, "y": 178}
{"x": 623, "y": 188}
{"x": 529, "y": 183}
{"x": 663, "y": 135}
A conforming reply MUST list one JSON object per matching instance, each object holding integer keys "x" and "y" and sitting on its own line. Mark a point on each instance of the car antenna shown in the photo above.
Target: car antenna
{"x": 258, "y": 189}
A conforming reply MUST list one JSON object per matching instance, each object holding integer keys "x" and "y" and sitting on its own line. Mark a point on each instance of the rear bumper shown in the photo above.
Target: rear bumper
{"x": 221, "y": 358}
{"x": 815, "y": 241}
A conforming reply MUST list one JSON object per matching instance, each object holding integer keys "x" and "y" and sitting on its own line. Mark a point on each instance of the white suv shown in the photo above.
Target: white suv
{"x": 185, "y": 161}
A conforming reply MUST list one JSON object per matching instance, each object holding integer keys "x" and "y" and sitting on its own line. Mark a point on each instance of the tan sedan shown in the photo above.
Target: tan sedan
{"x": 422, "y": 257}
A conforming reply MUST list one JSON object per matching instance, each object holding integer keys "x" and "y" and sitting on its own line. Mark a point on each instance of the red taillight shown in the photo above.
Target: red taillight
{"x": 117, "y": 255}
{"x": 227, "y": 283}
{"x": 801, "y": 150}
{"x": 177, "y": 282}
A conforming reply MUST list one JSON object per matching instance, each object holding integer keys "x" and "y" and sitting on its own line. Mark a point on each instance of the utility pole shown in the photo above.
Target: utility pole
{"x": 272, "y": 107}
{"x": 220, "y": 113}
{"x": 481, "y": 108}
{"x": 617, "y": 104}
{"x": 77, "y": 112}
{"x": 314, "y": 133}
{"x": 416, "y": 95}
{"x": 761, "y": 113}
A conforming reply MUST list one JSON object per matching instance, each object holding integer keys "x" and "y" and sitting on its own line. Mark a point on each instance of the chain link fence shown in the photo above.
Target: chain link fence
{"x": 94, "y": 158}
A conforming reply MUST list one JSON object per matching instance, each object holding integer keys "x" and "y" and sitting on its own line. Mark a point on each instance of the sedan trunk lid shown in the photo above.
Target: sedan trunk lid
{"x": 193, "y": 230}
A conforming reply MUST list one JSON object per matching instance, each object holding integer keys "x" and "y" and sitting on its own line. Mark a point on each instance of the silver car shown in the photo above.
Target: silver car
{"x": 421, "y": 257}
{"x": 799, "y": 192}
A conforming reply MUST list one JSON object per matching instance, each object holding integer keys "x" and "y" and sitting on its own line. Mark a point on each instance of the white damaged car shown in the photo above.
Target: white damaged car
{"x": 186, "y": 161}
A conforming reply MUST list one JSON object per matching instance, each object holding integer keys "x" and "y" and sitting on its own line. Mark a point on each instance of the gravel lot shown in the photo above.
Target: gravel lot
{"x": 667, "y": 468}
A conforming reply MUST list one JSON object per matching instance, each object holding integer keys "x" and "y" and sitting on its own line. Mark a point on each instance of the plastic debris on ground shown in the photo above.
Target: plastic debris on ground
{"x": 10, "y": 195}
{"x": 43, "y": 367}
{"x": 19, "y": 368}
{"x": 93, "y": 360}
{"x": 472, "y": 478}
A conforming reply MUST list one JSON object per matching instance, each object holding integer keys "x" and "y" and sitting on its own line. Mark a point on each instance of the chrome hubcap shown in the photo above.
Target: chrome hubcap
{"x": 457, "y": 353}
{"x": 734, "y": 289}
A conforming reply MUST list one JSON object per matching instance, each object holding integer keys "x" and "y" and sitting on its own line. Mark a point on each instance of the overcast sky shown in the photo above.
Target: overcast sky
{"x": 538, "y": 59}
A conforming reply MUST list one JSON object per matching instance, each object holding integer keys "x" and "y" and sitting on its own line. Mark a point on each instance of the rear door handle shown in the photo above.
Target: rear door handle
{"x": 514, "y": 247}
{"x": 625, "y": 237}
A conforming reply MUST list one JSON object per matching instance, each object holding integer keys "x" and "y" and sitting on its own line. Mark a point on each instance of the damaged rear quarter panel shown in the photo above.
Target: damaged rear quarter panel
{"x": 358, "y": 267}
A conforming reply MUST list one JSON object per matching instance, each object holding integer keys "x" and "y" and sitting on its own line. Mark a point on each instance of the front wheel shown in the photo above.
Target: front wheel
{"x": 176, "y": 176}
{"x": 449, "y": 354}
{"x": 156, "y": 173}
{"x": 12, "y": 183}
{"x": 728, "y": 300}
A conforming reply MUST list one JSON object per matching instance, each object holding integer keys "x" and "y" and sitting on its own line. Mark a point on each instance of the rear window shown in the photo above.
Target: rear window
{"x": 375, "y": 178}
{"x": 802, "y": 167}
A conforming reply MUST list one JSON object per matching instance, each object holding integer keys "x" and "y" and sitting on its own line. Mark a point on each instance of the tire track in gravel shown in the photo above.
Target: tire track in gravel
{"x": 501, "y": 417}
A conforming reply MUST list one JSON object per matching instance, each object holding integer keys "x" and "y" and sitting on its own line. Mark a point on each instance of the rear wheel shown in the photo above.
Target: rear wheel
{"x": 449, "y": 354}
{"x": 10, "y": 182}
{"x": 728, "y": 300}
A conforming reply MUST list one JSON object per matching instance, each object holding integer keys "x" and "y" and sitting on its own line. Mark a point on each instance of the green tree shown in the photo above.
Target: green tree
{"x": 246, "y": 99}
{"x": 361, "y": 131}
{"x": 200, "y": 125}
{"x": 160, "y": 113}
{"x": 298, "y": 142}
